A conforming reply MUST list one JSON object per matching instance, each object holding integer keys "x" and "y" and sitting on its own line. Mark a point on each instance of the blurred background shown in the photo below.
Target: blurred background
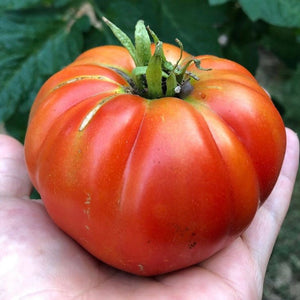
{"x": 39, "y": 37}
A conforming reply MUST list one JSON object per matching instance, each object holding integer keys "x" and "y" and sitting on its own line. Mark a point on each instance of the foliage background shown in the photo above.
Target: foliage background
{"x": 39, "y": 37}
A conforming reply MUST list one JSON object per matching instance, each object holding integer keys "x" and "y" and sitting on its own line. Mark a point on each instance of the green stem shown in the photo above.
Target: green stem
{"x": 154, "y": 76}
{"x": 171, "y": 84}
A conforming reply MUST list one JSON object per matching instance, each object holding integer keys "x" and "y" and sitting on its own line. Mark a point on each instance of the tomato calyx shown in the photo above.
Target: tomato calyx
{"x": 154, "y": 76}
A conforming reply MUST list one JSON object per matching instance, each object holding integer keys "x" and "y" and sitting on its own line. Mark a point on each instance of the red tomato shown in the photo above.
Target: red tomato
{"x": 152, "y": 186}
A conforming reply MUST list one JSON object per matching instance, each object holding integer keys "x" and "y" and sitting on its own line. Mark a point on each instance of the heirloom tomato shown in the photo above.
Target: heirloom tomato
{"x": 150, "y": 158}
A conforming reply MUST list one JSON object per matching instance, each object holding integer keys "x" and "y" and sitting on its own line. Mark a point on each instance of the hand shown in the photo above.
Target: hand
{"x": 38, "y": 261}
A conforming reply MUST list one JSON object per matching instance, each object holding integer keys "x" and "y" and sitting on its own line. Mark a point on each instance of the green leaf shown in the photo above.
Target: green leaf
{"x": 16, "y": 125}
{"x": 277, "y": 12}
{"x": 198, "y": 33}
{"x": 244, "y": 54}
{"x": 241, "y": 47}
{"x": 33, "y": 45}
{"x": 21, "y": 4}
{"x": 194, "y": 22}
{"x": 217, "y": 2}
{"x": 126, "y": 13}
{"x": 24, "y": 4}
{"x": 285, "y": 43}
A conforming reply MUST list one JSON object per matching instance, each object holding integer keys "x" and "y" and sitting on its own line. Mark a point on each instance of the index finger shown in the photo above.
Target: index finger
{"x": 14, "y": 179}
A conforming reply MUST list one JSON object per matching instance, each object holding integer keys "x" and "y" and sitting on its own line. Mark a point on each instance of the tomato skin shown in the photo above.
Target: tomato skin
{"x": 152, "y": 186}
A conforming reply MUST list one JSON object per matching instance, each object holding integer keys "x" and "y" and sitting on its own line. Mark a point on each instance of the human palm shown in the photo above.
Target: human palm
{"x": 38, "y": 261}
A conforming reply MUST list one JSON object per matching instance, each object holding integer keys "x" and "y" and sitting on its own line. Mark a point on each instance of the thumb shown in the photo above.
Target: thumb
{"x": 14, "y": 179}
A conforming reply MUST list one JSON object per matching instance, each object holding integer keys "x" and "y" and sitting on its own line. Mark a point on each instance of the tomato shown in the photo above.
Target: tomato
{"x": 153, "y": 185}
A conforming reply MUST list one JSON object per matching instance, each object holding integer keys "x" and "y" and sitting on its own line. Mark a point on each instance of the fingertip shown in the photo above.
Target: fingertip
{"x": 291, "y": 159}
{"x": 14, "y": 179}
{"x": 292, "y": 141}
{"x": 10, "y": 147}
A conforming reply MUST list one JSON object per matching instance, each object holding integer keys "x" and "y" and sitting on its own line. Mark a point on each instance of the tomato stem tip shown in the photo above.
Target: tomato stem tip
{"x": 154, "y": 76}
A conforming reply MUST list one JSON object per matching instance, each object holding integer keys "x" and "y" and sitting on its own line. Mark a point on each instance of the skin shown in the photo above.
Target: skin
{"x": 38, "y": 261}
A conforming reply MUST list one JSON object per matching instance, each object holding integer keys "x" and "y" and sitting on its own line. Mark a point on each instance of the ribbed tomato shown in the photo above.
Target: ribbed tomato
{"x": 153, "y": 185}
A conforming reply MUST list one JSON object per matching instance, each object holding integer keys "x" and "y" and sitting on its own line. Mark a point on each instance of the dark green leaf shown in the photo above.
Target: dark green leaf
{"x": 277, "y": 12}
{"x": 217, "y": 2}
{"x": 285, "y": 43}
{"x": 33, "y": 45}
{"x": 244, "y": 54}
{"x": 198, "y": 32}
{"x": 21, "y": 4}
{"x": 193, "y": 22}
{"x": 16, "y": 125}
{"x": 24, "y": 4}
{"x": 238, "y": 46}
{"x": 126, "y": 13}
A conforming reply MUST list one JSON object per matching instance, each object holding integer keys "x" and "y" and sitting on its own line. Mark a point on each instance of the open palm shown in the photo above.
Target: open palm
{"x": 38, "y": 261}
